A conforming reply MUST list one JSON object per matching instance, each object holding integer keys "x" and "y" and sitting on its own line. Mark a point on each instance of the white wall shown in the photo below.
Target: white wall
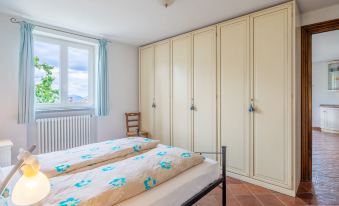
{"x": 320, "y": 93}
{"x": 123, "y": 87}
{"x": 9, "y": 58}
{"x": 320, "y": 15}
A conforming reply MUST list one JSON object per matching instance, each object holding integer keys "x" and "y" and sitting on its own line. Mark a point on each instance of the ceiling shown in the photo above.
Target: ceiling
{"x": 325, "y": 46}
{"x": 138, "y": 22}
{"x": 308, "y": 5}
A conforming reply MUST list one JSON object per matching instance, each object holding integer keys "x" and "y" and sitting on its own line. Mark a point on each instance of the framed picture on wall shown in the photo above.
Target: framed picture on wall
{"x": 333, "y": 76}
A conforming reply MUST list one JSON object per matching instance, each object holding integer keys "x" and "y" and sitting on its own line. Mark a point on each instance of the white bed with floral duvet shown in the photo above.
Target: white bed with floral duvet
{"x": 125, "y": 172}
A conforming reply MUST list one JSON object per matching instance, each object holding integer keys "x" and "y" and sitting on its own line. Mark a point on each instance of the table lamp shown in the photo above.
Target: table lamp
{"x": 33, "y": 186}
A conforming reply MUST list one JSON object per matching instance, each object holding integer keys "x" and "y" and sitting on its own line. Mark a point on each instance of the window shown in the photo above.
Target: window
{"x": 64, "y": 73}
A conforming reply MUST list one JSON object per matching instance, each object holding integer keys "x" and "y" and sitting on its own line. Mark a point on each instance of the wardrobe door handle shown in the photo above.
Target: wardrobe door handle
{"x": 251, "y": 108}
{"x": 192, "y": 107}
{"x": 154, "y": 105}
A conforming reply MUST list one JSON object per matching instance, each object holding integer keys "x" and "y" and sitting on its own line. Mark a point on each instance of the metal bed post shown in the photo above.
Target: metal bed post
{"x": 214, "y": 184}
{"x": 224, "y": 191}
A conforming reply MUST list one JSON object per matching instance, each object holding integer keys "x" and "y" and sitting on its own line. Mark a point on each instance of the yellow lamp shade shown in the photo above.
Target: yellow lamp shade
{"x": 31, "y": 189}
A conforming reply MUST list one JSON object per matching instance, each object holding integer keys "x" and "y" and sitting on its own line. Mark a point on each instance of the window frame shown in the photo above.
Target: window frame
{"x": 64, "y": 44}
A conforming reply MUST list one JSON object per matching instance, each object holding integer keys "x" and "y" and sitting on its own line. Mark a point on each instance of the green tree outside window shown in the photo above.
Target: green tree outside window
{"x": 43, "y": 91}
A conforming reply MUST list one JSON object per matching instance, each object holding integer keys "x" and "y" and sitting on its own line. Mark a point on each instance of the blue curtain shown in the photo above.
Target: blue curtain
{"x": 26, "y": 75}
{"x": 102, "y": 83}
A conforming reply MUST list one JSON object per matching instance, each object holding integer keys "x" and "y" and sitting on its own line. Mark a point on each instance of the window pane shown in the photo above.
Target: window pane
{"x": 47, "y": 72}
{"x": 78, "y": 75}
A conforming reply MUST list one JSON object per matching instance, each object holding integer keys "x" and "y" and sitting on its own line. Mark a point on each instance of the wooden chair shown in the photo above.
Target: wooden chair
{"x": 133, "y": 125}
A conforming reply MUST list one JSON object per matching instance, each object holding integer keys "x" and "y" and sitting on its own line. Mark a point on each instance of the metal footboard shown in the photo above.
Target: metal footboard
{"x": 214, "y": 184}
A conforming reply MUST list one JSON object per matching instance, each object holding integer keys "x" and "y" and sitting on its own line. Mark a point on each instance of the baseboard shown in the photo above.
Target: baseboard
{"x": 330, "y": 131}
{"x": 263, "y": 184}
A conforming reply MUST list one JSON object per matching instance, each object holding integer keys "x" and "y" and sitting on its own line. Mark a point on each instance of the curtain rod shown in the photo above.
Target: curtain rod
{"x": 14, "y": 20}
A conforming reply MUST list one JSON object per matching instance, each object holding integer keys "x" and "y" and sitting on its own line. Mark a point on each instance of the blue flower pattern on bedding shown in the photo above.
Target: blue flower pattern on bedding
{"x": 108, "y": 168}
{"x": 166, "y": 165}
{"x": 86, "y": 157}
{"x": 169, "y": 147}
{"x": 137, "y": 148}
{"x": 115, "y": 148}
{"x": 82, "y": 183}
{"x": 109, "y": 142}
{"x": 186, "y": 155}
{"x": 118, "y": 182}
{"x": 139, "y": 157}
{"x": 149, "y": 183}
{"x": 6, "y": 193}
{"x": 69, "y": 202}
{"x": 94, "y": 149}
{"x": 147, "y": 140}
{"x": 161, "y": 154}
{"x": 62, "y": 168}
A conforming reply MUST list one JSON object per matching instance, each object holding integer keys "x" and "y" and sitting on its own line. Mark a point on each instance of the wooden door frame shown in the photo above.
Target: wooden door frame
{"x": 306, "y": 92}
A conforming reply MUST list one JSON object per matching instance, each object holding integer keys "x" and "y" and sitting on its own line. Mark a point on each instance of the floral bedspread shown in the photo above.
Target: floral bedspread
{"x": 62, "y": 162}
{"x": 113, "y": 183}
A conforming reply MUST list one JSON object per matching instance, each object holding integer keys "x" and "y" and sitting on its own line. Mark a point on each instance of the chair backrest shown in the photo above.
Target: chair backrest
{"x": 133, "y": 121}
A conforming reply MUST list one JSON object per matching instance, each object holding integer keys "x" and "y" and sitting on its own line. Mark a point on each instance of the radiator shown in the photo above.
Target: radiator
{"x": 60, "y": 133}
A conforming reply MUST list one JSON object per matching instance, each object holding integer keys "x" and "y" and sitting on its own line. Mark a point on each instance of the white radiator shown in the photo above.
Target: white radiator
{"x": 62, "y": 133}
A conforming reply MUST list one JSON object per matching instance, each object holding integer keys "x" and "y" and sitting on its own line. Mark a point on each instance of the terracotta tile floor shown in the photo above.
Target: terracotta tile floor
{"x": 324, "y": 188}
{"x": 245, "y": 194}
{"x": 323, "y": 191}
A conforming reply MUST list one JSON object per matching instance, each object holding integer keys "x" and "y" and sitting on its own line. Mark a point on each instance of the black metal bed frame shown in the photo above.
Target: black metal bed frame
{"x": 214, "y": 184}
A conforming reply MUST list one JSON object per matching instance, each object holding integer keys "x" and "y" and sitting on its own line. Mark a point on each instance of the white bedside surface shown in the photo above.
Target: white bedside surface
{"x": 5, "y": 142}
{"x": 5, "y": 152}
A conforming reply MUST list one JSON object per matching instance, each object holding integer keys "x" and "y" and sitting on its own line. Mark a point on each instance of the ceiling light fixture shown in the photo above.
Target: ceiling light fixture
{"x": 167, "y": 3}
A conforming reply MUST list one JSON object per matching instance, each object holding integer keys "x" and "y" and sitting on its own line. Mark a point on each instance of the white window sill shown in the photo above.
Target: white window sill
{"x": 62, "y": 111}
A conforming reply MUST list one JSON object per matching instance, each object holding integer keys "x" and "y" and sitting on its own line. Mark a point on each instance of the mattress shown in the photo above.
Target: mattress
{"x": 180, "y": 188}
{"x": 171, "y": 193}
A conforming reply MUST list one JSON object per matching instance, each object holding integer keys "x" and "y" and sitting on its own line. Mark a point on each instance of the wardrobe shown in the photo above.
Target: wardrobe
{"x": 235, "y": 84}
{"x": 154, "y": 90}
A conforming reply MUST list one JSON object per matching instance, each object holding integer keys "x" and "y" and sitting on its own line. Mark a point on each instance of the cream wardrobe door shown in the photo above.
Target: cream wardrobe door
{"x": 235, "y": 93}
{"x": 204, "y": 90}
{"x": 271, "y": 60}
{"x": 162, "y": 92}
{"x": 181, "y": 91}
{"x": 146, "y": 88}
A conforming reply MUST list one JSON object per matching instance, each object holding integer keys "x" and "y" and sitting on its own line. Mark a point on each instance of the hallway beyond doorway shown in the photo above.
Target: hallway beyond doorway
{"x": 324, "y": 189}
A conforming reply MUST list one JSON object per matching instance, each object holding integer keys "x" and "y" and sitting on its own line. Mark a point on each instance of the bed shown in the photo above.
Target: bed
{"x": 187, "y": 187}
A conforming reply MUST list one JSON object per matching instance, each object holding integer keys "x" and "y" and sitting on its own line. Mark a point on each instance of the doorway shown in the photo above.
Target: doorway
{"x": 315, "y": 138}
